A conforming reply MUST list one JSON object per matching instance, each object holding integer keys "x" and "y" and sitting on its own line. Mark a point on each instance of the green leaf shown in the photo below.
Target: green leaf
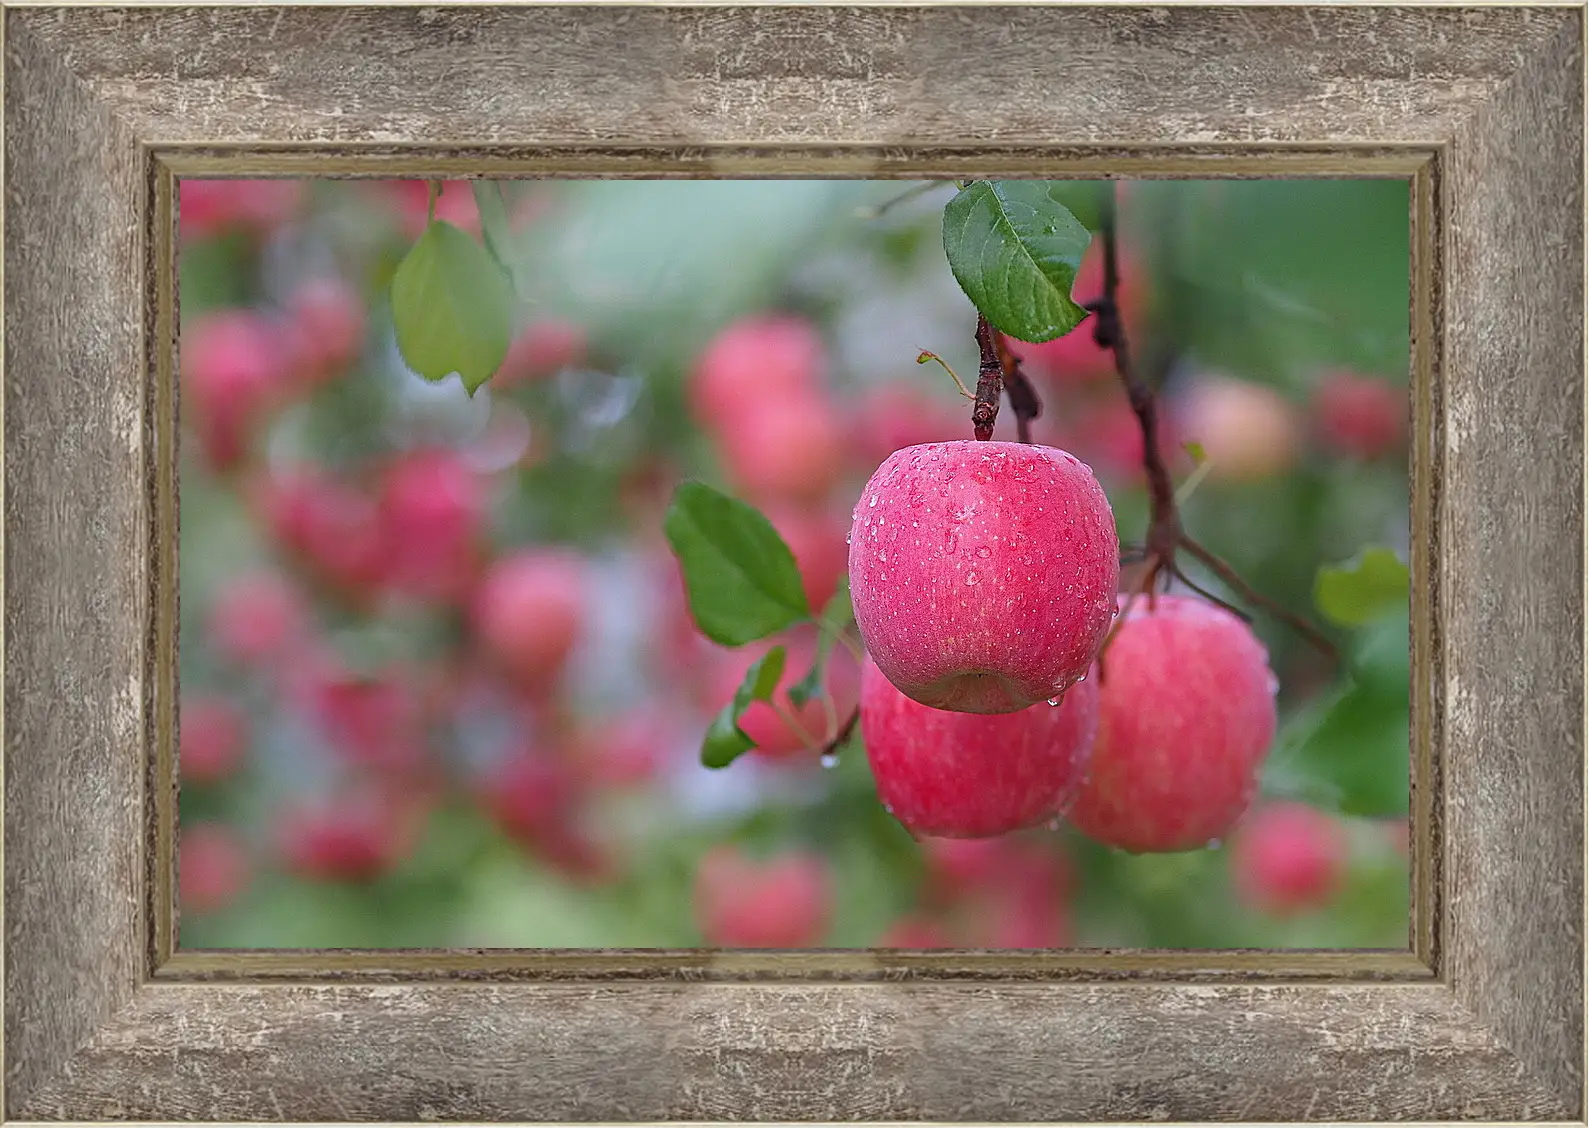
{"x": 1350, "y": 749}
{"x": 452, "y": 307}
{"x": 1360, "y": 749}
{"x": 742, "y": 580}
{"x": 494, "y": 225}
{"x": 725, "y": 741}
{"x": 1368, "y": 587}
{"x": 837, "y": 615}
{"x": 1015, "y": 250}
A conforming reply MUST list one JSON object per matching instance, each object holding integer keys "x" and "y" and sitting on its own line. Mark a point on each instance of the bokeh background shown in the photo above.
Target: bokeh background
{"x": 439, "y": 683}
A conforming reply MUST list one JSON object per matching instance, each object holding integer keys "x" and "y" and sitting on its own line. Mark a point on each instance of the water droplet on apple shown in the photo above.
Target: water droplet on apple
{"x": 882, "y": 556}
{"x": 872, "y": 504}
{"x": 984, "y": 552}
{"x": 830, "y": 760}
{"x": 971, "y": 579}
{"x": 1081, "y": 679}
{"x": 1274, "y": 685}
{"x": 1053, "y": 823}
{"x": 1056, "y": 700}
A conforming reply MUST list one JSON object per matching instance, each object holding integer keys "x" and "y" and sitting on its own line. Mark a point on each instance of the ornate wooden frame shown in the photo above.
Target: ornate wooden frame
{"x": 1480, "y": 110}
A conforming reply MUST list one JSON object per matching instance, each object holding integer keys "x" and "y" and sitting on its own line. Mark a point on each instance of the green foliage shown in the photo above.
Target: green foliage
{"x": 452, "y": 307}
{"x": 494, "y": 225}
{"x": 742, "y": 580}
{"x": 1015, "y": 250}
{"x": 836, "y": 617}
{"x": 1272, "y": 279}
{"x": 1363, "y": 589}
{"x": 1349, "y": 750}
{"x": 725, "y": 741}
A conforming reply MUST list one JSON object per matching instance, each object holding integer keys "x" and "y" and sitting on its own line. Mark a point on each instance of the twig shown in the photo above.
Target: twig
{"x": 1228, "y": 576}
{"x": 990, "y": 383}
{"x": 925, "y": 357}
{"x": 1165, "y": 534}
{"x": 882, "y": 209}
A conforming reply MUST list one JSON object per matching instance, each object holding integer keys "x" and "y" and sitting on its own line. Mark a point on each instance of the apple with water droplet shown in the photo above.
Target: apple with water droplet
{"x": 984, "y": 574}
{"x": 968, "y": 775}
{"x": 1186, "y": 715}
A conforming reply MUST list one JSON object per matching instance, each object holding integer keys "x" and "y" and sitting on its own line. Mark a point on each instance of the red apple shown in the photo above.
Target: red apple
{"x": 1186, "y": 715}
{"x": 528, "y": 613}
{"x": 356, "y": 835}
{"x": 1287, "y": 858}
{"x": 1359, "y": 416}
{"x": 788, "y": 449}
{"x": 432, "y": 507}
{"x": 234, "y": 365}
{"x": 213, "y": 739}
{"x": 212, "y": 868}
{"x": 773, "y": 357}
{"x": 254, "y": 207}
{"x": 331, "y": 525}
{"x": 256, "y": 618}
{"x": 325, "y": 329}
{"x": 969, "y": 775}
{"x": 983, "y": 573}
{"x": 955, "y": 866}
{"x": 783, "y": 902}
{"x": 1248, "y": 431}
{"x": 373, "y": 722}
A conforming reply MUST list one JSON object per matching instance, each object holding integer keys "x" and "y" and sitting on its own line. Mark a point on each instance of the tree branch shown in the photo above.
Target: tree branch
{"x": 1165, "y": 534}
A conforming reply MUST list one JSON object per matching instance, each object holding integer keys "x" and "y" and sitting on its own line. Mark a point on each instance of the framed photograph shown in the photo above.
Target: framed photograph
{"x": 511, "y": 612}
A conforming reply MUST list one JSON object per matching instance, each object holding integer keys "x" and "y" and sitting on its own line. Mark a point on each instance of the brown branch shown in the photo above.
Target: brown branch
{"x": 990, "y": 383}
{"x": 1231, "y": 579}
{"x": 1165, "y": 534}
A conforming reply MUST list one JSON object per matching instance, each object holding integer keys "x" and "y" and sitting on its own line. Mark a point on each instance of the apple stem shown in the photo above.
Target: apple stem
{"x": 1165, "y": 534}
{"x": 990, "y": 383}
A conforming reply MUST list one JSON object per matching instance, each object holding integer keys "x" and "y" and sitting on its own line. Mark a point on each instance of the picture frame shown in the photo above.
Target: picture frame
{"x": 1480, "y": 110}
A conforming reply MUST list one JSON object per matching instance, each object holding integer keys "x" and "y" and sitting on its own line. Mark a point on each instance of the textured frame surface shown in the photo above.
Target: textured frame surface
{"x": 1480, "y": 110}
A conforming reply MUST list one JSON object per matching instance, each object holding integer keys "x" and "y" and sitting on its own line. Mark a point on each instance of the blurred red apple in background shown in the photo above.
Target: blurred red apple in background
{"x": 1359, "y": 416}
{"x": 256, "y": 619}
{"x": 213, "y": 738}
{"x": 769, "y": 358}
{"x": 528, "y": 613}
{"x": 1287, "y": 858}
{"x": 1248, "y": 431}
{"x": 782, "y": 902}
{"x": 212, "y": 867}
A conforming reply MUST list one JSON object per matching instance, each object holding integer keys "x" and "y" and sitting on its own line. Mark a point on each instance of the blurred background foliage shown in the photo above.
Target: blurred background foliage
{"x": 364, "y": 764}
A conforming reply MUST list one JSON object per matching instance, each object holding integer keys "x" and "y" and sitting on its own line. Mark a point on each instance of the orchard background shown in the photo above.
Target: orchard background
{"x": 440, "y": 681}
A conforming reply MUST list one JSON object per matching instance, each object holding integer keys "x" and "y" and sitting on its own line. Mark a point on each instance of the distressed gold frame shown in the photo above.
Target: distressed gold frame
{"x": 1480, "y": 110}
